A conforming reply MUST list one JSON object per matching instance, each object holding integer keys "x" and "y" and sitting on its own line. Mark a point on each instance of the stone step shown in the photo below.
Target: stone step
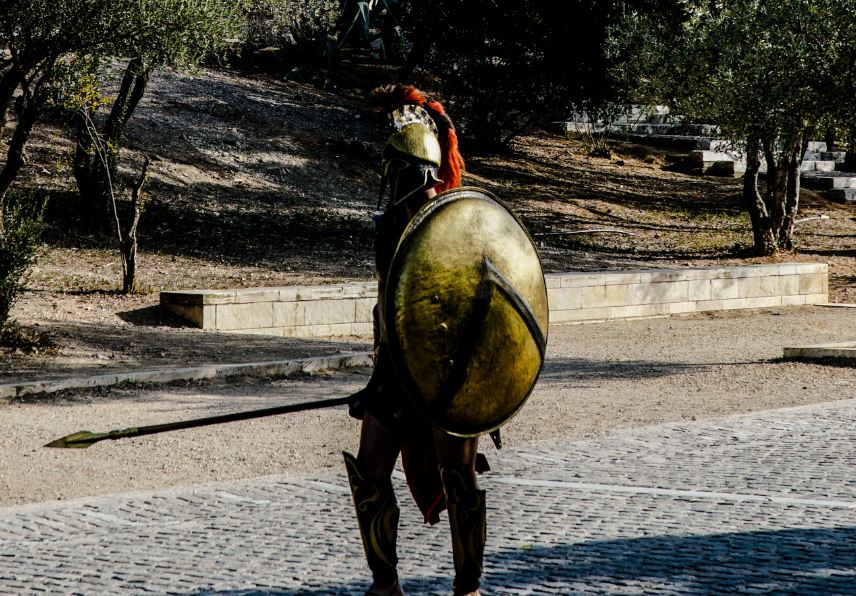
{"x": 817, "y": 166}
{"x": 836, "y": 156}
{"x": 683, "y": 142}
{"x": 816, "y": 146}
{"x": 842, "y": 195}
{"x": 829, "y": 180}
{"x": 644, "y": 129}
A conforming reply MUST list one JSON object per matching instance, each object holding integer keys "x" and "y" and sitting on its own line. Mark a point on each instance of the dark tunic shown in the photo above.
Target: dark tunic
{"x": 385, "y": 398}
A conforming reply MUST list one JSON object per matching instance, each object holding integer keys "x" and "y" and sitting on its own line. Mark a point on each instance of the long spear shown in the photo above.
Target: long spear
{"x": 84, "y": 438}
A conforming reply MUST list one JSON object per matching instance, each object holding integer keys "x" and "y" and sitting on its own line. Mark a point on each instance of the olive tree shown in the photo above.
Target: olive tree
{"x": 771, "y": 75}
{"x": 44, "y": 46}
{"x": 507, "y": 64}
{"x": 177, "y": 33}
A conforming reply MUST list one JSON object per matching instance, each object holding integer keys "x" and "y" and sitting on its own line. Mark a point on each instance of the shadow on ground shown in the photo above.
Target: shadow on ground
{"x": 99, "y": 349}
{"x": 153, "y": 316}
{"x": 582, "y": 369}
{"x": 789, "y": 561}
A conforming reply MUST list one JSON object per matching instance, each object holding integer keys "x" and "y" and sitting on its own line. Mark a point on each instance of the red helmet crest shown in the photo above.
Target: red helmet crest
{"x": 388, "y": 98}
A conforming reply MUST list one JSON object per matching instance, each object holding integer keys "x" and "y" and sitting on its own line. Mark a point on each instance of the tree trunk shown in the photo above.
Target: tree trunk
{"x": 850, "y": 158}
{"x": 753, "y": 202}
{"x": 95, "y": 181}
{"x": 128, "y": 242}
{"x": 8, "y": 82}
{"x": 15, "y": 154}
{"x": 829, "y": 138}
{"x": 130, "y": 284}
{"x": 792, "y": 195}
{"x": 82, "y": 167}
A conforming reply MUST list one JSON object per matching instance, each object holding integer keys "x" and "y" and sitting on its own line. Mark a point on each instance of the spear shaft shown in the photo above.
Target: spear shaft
{"x": 83, "y": 439}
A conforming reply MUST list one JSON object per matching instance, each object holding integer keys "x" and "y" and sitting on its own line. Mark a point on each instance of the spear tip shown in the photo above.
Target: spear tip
{"x": 78, "y": 440}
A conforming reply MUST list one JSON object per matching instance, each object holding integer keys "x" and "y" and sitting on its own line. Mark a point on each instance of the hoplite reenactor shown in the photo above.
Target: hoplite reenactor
{"x": 460, "y": 335}
{"x": 460, "y": 332}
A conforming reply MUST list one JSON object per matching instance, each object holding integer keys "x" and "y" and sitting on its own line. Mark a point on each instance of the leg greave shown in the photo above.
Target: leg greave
{"x": 377, "y": 514}
{"x": 468, "y": 522}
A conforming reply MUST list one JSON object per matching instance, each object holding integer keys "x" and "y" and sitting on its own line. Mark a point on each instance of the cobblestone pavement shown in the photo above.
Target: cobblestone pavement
{"x": 756, "y": 503}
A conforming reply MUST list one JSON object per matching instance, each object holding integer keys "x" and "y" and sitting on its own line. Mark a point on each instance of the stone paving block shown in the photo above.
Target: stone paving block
{"x": 790, "y": 268}
{"x": 669, "y": 275}
{"x": 552, "y": 280}
{"x": 774, "y": 285}
{"x": 639, "y": 310}
{"x": 581, "y": 314}
{"x": 331, "y": 330}
{"x": 564, "y": 298}
{"x": 593, "y": 296}
{"x": 194, "y": 314}
{"x": 289, "y": 314}
{"x": 219, "y": 297}
{"x": 330, "y": 312}
{"x": 250, "y": 295}
{"x": 698, "y": 289}
{"x": 244, "y": 316}
{"x": 723, "y": 289}
{"x": 364, "y": 309}
{"x": 749, "y": 287}
{"x": 617, "y": 295}
{"x": 725, "y": 304}
{"x": 573, "y": 280}
{"x": 793, "y": 300}
{"x": 622, "y": 277}
{"x": 360, "y": 290}
{"x": 763, "y": 302}
{"x": 755, "y": 270}
{"x": 789, "y": 285}
{"x": 676, "y": 291}
{"x": 813, "y": 283}
{"x": 839, "y": 350}
{"x": 273, "y": 331}
{"x": 362, "y": 329}
{"x": 333, "y": 291}
{"x": 677, "y": 308}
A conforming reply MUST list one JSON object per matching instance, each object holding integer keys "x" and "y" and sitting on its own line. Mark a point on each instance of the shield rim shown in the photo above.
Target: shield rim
{"x": 406, "y": 381}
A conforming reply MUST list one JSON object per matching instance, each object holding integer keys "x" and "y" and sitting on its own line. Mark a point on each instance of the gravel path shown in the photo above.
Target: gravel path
{"x": 599, "y": 378}
{"x": 630, "y": 513}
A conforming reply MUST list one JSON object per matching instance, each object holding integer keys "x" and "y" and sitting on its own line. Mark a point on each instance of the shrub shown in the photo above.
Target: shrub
{"x": 19, "y": 247}
{"x": 300, "y": 28}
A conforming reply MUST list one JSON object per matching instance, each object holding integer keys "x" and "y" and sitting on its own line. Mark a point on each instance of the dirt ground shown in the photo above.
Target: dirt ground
{"x": 256, "y": 181}
{"x": 599, "y": 378}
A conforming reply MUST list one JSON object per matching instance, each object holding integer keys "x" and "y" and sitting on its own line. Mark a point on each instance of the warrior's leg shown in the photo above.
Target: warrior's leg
{"x": 377, "y": 509}
{"x": 467, "y": 511}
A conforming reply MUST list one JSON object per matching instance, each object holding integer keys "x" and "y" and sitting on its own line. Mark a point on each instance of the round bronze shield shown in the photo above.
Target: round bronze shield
{"x": 466, "y": 312}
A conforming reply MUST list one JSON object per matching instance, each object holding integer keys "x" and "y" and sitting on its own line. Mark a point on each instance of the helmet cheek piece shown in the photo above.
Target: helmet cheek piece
{"x": 410, "y": 161}
{"x": 405, "y": 179}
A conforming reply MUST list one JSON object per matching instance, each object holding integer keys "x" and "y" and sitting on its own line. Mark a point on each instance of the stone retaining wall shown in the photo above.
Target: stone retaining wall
{"x": 615, "y": 295}
{"x": 346, "y": 309}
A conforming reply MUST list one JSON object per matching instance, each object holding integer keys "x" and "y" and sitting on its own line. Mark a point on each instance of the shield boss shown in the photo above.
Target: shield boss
{"x": 466, "y": 312}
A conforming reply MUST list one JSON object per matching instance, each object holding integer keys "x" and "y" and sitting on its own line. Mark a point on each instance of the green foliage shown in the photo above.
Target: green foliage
{"x": 300, "y": 28}
{"x": 770, "y": 70}
{"x": 506, "y": 64}
{"x": 772, "y": 75}
{"x": 36, "y": 30}
{"x": 19, "y": 248}
{"x": 178, "y": 33}
{"x": 181, "y": 32}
